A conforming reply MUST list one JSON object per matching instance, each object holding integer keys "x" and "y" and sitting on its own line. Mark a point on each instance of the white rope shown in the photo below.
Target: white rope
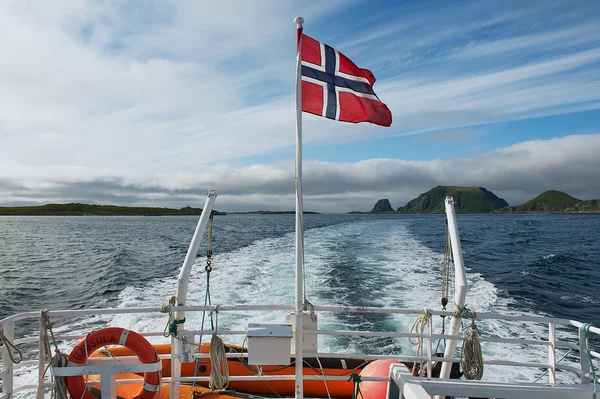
{"x": 219, "y": 371}
{"x": 419, "y": 327}
{"x": 324, "y": 381}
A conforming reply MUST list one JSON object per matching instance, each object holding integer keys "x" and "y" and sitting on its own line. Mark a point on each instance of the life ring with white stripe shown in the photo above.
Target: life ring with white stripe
{"x": 114, "y": 336}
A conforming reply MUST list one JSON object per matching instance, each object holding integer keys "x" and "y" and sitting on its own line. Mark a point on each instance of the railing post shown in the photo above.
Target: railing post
{"x": 42, "y": 358}
{"x": 7, "y": 363}
{"x": 429, "y": 343}
{"x": 584, "y": 360}
{"x": 552, "y": 352}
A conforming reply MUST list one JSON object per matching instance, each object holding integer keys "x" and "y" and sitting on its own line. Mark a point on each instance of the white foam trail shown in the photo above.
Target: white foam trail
{"x": 263, "y": 273}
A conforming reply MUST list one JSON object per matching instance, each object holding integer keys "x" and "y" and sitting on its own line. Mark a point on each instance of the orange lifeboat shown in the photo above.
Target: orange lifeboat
{"x": 239, "y": 367}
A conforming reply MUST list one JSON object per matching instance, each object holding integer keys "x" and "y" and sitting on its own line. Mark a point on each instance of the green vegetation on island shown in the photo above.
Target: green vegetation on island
{"x": 75, "y": 209}
{"x": 466, "y": 200}
{"x": 552, "y": 201}
{"x": 481, "y": 200}
{"x": 272, "y": 213}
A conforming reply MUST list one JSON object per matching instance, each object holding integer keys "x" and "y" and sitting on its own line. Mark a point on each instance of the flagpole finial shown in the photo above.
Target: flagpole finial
{"x": 299, "y": 21}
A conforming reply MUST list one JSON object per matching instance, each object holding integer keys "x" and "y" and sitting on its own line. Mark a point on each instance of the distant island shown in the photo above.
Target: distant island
{"x": 75, "y": 209}
{"x": 480, "y": 200}
{"x": 272, "y": 213}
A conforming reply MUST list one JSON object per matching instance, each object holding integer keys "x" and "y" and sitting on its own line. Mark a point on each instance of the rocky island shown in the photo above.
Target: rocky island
{"x": 470, "y": 199}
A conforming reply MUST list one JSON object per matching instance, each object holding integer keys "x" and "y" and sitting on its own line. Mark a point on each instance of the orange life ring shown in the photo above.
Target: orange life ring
{"x": 114, "y": 336}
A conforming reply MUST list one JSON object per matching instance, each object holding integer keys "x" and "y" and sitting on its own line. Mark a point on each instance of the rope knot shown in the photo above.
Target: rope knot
{"x": 465, "y": 313}
{"x": 173, "y": 326}
{"x": 356, "y": 380}
{"x": 166, "y": 307}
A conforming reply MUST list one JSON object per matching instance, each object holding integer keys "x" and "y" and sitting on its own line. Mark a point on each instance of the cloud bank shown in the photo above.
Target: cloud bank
{"x": 516, "y": 173}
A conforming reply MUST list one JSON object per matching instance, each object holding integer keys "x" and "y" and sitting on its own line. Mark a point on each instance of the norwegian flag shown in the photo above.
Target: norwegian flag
{"x": 334, "y": 87}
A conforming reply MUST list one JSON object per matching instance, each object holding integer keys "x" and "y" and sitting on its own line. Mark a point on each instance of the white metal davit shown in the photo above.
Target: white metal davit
{"x": 460, "y": 284}
{"x": 182, "y": 287}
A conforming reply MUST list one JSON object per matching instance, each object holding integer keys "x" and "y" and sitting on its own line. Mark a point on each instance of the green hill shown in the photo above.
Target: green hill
{"x": 99, "y": 210}
{"x": 466, "y": 200}
{"x": 548, "y": 201}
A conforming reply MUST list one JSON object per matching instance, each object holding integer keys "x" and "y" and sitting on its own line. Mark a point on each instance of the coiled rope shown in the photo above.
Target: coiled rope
{"x": 219, "y": 369}
{"x": 472, "y": 358}
{"x": 418, "y": 327}
{"x": 586, "y": 328}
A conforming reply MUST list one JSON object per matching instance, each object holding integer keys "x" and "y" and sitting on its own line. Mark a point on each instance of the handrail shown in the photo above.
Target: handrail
{"x": 6, "y": 372}
{"x": 342, "y": 309}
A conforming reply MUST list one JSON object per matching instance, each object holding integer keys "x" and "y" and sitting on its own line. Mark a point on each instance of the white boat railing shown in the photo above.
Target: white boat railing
{"x": 548, "y": 345}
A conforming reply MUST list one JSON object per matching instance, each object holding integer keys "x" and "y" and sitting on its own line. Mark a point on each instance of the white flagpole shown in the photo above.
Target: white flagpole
{"x": 299, "y": 213}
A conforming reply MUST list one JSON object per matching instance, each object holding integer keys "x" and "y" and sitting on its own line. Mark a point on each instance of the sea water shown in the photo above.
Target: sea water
{"x": 516, "y": 264}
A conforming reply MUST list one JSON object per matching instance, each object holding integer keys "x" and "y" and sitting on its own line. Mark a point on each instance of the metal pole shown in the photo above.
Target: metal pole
{"x": 552, "y": 352}
{"x": 182, "y": 289}
{"x": 460, "y": 284}
{"x": 42, "y": 358}
{"x": 7, "y": 364}
{"x": 299, "y": 213}
{"x": 584, "y": 359}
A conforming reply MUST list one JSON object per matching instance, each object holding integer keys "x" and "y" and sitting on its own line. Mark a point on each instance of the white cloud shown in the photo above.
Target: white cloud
{"x": 129, "y": 103}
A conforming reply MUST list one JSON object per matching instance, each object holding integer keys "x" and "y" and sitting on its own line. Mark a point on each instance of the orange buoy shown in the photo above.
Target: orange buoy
{"x": 376, "y": 389}
{"x": 114, "y": 336}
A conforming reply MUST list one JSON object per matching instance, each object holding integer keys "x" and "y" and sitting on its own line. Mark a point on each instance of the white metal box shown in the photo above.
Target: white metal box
{"x": 269, "y": 344}
{"x": 309, "y": 340}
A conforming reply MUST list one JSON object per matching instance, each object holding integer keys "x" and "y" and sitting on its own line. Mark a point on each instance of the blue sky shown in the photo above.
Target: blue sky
{"x": 155, "y": 103}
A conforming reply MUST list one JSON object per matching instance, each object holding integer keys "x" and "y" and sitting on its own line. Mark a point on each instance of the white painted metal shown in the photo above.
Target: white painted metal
{"x": 505, "y": 390}
{"x": 8, "y": 330}
{"x": 182, "y": 286}
{"x": 415, "y": 391}
{"x": 108, "y": 370}
{"x": 584, "y": 359}
{"x": 345, "y": 309}
{"x": 578, "y": 324}
{"x": 190, "y": 257}
{"x": 299, "y": 216}
{"x": 41, "y": 360}
{"x": 107, "y": 366}
{"x": 447, "y": 387}
{"x": 429, "y": 343}
{"x": 108, "y": 386}
{"x": 278, "y": 377}
{"x": 309, "y": 329}
{"x": 460, "y": 283}
{"x": 269, "y": 344}
{"x": 552, "y": 353}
